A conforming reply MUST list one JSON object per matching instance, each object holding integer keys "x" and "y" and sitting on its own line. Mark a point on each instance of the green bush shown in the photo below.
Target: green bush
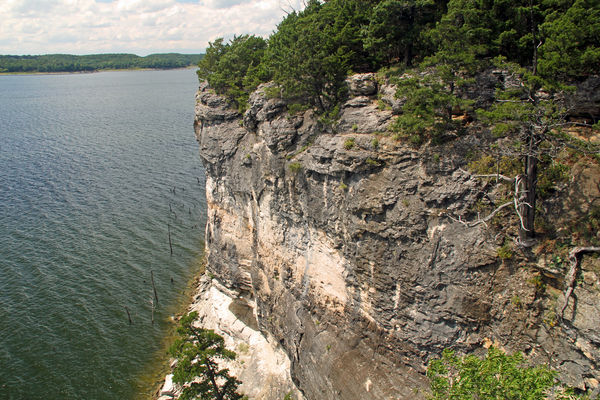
{"x": 494, "y": 377}
{"x": 505, "y": 252}
{"x": 295, "y": 167}
{"x": 297, "y": 108}
{"x": 349, "y": 143}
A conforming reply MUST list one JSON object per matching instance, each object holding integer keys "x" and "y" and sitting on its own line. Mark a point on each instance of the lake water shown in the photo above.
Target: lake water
{"x": 94, "y": 168}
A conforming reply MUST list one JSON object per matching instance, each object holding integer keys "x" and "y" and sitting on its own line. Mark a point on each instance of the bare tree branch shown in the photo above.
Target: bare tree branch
{"x": 479, "y": 220}
{"x": 497, "y": 176}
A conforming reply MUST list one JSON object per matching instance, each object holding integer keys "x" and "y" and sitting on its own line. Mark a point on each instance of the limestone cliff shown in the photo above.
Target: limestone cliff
{"x": 336, "y": 244}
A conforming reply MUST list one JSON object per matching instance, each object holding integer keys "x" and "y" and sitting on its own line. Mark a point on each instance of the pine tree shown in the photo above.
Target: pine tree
{"x": 198, "y": 352}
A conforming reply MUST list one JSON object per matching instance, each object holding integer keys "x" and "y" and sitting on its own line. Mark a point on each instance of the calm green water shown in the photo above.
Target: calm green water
{"x": 93, "y": 169}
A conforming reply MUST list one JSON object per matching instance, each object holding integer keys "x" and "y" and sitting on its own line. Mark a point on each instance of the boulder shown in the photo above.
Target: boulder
{"x": 362, "y": 84}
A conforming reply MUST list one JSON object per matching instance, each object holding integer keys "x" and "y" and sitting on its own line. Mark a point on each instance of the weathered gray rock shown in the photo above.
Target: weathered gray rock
{"x": 215, "y": 116}
{"x": 363, "y": 116}
{"x": 585, "y": 102}
{"x": 351, "y": 263}
{"x": 388, "y": 96}
{"x": 362, "y": 84}
{"x": 261, "y": 108}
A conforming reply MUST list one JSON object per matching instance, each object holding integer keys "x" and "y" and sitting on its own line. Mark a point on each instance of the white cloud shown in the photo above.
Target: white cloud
{"x": 135, "y": 26}
{"x": 223, "y": 3}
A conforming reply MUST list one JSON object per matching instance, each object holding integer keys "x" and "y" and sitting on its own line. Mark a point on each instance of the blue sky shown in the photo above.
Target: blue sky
{"x": 132, "y": 26}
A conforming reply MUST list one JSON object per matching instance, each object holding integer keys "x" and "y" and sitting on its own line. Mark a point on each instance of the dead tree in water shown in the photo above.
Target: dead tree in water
{"x": 170, "y": 244}
{"x": 128, "y": 315}
{"x": 154, "y": 286}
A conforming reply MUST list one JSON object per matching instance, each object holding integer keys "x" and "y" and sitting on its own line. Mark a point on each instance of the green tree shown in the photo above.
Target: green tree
{"x": 529, "y": 120}
{"x": 428, "y": 108}
{"x": 198, "y": 352}
{"x": 461, "y": 39}
{"x": 571, "y": 42}
{"x": 312, "y": 51}
{"x": 225, "y": 66}
{"x": 496, "y": 376}
{"x": 394, "y": 29}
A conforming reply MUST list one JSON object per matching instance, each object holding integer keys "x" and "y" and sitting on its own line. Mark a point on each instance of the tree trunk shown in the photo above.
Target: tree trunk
{"x": 213, "y": 381}
{"x": 527, "y": 207}
{"x": 408, "y": 55}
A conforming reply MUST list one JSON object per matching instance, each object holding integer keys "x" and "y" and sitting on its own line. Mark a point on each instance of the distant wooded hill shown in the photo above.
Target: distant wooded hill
{"x": 94, "y": 62}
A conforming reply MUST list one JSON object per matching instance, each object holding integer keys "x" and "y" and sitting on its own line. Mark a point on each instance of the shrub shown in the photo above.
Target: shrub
{"x": 199, "y": 352}
{"x": 295, "y": 167}
{"x": 273, "y": 92}
{"x": 496, "y": 376}
{"x": 505, "y": 252}
{"x": 349, "y": 143}
{"x": 297, "y": 108}
{"x": 372, "y": 163}
{"x": 226, "y": 66}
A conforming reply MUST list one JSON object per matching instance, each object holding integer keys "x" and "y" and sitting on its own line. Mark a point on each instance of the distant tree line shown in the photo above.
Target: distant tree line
{"x": 94, "y": 62}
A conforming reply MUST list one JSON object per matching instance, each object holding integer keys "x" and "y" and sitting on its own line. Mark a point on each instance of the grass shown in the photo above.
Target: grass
{"x": 349, "y": 143}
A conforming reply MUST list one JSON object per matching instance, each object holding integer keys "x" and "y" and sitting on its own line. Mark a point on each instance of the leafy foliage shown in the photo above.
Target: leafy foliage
{"x": 394, "y": 29}
{"x": 313, "y": 50}
{"x": 496, "y": 376}
{"x": 572, "y": 46}
{"x": 461, "y": 38}
{"x": 428, "y": 109}
{"x": 233, "y": 69}
{"x": 198, "y": 352}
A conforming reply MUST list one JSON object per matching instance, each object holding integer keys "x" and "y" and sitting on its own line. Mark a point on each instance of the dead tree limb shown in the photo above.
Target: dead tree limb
{"x": 479, "y": 220}
{"x": 153, "y": 307}
{"x": 572, "y": 274}
{"x": 170, "y": 243}
{"x": 498, "y": 176}
{"x": 154, "y": 286}
{"x": 128, "y": 315}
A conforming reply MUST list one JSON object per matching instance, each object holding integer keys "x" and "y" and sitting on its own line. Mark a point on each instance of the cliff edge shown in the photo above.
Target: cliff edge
{"x": 340, "y": 246}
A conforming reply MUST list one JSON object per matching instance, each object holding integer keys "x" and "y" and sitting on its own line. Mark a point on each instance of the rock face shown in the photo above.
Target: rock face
{"x": 337, "y": 245}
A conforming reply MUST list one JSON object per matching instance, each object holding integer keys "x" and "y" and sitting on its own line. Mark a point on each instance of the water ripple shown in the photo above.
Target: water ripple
{"x": 87, "y": 164}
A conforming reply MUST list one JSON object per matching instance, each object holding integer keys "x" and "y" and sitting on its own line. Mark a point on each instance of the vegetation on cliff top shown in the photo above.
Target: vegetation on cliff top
{"x": 313, "y": 50}
{"x": 94, "y": 62}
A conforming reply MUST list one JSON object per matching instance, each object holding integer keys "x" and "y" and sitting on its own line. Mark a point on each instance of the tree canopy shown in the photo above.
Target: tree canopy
{"x": 312, "y": 51}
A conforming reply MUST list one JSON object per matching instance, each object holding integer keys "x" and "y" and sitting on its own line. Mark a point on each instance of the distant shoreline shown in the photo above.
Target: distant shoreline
{"x": 70, "y": 63}
{"x": 94, "y": 71}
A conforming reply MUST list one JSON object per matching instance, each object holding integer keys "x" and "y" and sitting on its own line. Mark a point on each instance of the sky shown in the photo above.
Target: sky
{"x": 140, "y": 27}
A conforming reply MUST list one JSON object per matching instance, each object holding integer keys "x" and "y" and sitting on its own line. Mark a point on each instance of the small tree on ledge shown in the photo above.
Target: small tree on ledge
{"x": 197, "y": 351}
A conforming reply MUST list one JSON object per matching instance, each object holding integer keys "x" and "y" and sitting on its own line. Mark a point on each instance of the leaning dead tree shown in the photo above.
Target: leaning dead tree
{"x": 572, "y": 274}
